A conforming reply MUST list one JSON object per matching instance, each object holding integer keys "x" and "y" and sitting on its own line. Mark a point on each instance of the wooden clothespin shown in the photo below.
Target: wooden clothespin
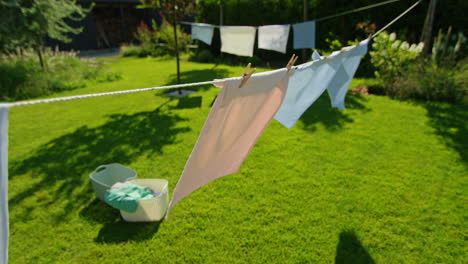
{"x": 291, "y": 62}
{"x": 246, "y": 75}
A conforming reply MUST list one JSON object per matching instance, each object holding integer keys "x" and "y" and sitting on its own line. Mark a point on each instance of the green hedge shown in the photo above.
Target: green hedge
{"x": 260, "y": 12}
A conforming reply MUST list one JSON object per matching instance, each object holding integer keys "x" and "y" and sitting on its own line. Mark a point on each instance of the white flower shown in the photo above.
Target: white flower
{"x": 420, "y": 47}
{"x": 404, "y": 45}
{"x": 396, "y": 44}
{"x": 392, "y": 36}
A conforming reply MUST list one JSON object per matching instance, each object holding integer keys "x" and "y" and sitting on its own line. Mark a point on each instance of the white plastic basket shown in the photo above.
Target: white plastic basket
{"x": 152, "y": 209}
{"x": 104, "y": 176}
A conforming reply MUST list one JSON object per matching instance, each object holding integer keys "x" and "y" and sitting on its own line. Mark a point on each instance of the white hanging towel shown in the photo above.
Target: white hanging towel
{"x": 304, "y": 35}
{"x": 203, "y": 32}
{"x": 311, "y": 79}
{"x": 4, "y": 184}
{"x": 238, "y": 40}
{"x": 274, "y": 37}
{"x": 236, "y": 121}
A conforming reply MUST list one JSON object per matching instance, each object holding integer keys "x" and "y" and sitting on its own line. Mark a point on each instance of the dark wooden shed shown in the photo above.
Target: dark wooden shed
{"x": 110, "y": 24}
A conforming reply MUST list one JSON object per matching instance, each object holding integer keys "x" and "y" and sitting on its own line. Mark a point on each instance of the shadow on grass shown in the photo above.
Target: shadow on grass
{"x": 121, "y": 231}
{"x": 332, "y": 118}
{"x": 98, "y": 211}
{"x": 61, "y": 166}
{"x": 188, "y": 102}
{"x": 451, "y": 123}
{"x": 116, "y": 230}
{"x": 198, "y": 76}
{"x": 350, "y": 250}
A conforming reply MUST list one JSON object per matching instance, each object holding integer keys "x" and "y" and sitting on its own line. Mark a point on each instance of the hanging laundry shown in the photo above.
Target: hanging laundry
{"x": 203, "y": 32}
{"x": 316, "y": 55}
{"x": 4, "y": 183}
{"x": 311, "y": 79}
{"x": 274, "y": 37}
{"x": 304, "y": 35}
{"x": 238, "y": 40}
{"x": 351, "y": 58}
{"x": 236, "y": 121}
{"x": 305, "y": 86}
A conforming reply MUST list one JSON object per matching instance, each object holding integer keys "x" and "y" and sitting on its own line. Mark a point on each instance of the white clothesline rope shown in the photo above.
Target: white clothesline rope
{"x": 394, "y": 20}
{"x": 321, "y": 18}
{"x": 76, "y": 97}
{"x": 355, "y": 10}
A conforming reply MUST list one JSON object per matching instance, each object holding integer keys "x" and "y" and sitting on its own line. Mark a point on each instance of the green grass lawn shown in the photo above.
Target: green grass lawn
{"x": 383, "y": 181}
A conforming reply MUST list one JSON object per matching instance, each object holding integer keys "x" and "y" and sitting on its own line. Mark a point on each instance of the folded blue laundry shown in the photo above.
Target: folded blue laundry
{"x": 126, "y": 198}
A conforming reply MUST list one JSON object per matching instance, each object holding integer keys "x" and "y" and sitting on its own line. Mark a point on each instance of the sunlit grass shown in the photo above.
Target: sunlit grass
{"x": 383, "y": 181}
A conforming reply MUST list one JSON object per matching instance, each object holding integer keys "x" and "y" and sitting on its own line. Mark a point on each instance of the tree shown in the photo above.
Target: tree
{"x": 25, "y": 23}
{"x": 172, "y": 10}
{"x": 426, "y": 35}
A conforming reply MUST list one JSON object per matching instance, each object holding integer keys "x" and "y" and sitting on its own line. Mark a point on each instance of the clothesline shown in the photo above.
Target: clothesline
{"x": 330, "y": 16}
{"x": 355, "y": 10}
{"x": 394, "y": 20}
{"x": 76, "y": 97}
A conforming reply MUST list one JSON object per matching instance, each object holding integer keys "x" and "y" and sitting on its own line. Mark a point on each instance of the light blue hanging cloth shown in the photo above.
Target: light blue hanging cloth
{"x": 304, "y": 35}
{"x": 305, "y": 86}
{"x": 316, "y": 56}
{"x": 311, "y": 79}
{"x": 349, "y": 63}
{"x": 203, "y": 32}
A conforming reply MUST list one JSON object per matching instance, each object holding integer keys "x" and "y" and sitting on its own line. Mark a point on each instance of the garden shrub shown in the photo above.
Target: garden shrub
{"x": 156, "y": 41}
{"x": 166, "y": 35}
{"x": 131, "y": 50}
{"x": 392, "y": 58}
{"x": 148, "y": 37}
{"x": 447, "y": 48}
{"x": 403, "y": 73}
{"x": 140, "y": 51}
{"x": 23, "y": 77}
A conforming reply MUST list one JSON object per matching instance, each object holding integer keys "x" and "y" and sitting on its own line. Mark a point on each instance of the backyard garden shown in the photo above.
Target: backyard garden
{"x": 382, "y": 181}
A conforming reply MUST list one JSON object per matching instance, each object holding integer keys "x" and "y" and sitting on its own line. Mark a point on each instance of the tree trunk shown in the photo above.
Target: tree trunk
{"x": 426, "y": 35}
{"x": 41, "y": 58}
{"x": 221, "y": 13}
{"x": 174, "y": 9}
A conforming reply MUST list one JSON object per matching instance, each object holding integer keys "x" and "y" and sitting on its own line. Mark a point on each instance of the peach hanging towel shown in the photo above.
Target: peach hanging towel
{"x": 236, "y": 121}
